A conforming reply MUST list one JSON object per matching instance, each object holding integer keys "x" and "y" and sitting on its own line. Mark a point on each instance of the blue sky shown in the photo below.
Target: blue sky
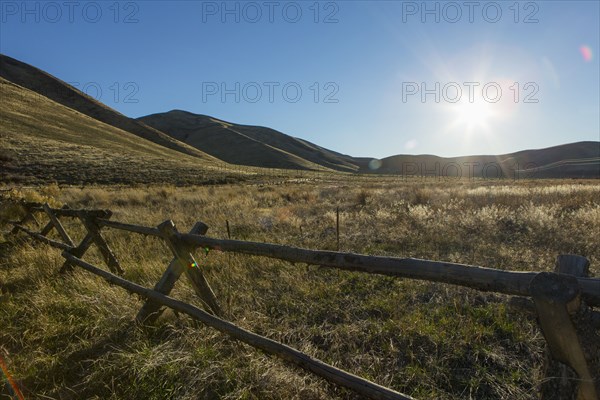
{"x": 348, "y": 75}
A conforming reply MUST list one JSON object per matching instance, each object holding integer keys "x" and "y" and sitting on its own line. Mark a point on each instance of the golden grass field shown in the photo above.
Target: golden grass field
{"x": 73, "y": 336}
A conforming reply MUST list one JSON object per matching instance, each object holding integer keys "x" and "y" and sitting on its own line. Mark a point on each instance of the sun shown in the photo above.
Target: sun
{"x": 473, "y": 114}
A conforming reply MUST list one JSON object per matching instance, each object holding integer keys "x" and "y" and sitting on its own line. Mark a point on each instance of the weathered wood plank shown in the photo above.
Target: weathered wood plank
{"x": 31, "y": 205}
{"x": 585, "y": 320}
{"x": 485, "y": 279}
{"x": 151, "y": 310}
{"x": 94, "y": 230}
{"x": 49, "y": 226}
{"x": 43, "y": 239}
{"x": 590, "y": 289}
{"x": 337, "y": 227}
{"x": 361, "y": 386}
{"x": 572, "y": 264}
{"x": 557, "y": 298}
{"x": 73, "y": 213}
{"x": 128, "y": 227}
{"x": 182, "y": 253}
{"x": 78, "y": 252}
{"x": 57, "y": 225}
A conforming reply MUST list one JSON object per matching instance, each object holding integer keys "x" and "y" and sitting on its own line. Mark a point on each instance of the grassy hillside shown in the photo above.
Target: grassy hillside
{"x": 55, "y": 89}
{"x": 573, "y": 160}
{"x": 210, "y": 139}
{"x": 42, "y": 140}
{"x": 246, "y": 145}
{"x": 72, "y": 337}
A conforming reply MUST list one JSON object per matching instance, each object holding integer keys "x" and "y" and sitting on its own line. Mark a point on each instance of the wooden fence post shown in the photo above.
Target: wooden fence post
{"x": 94, "y": 231}
{"x": 183, "y": 254}
{"x": 57, "y": 225}
{"x": 566, "y": 323}
{"x": 93, "y": 236}
{"x": 78, "y": 252}
{"x": 150, "y": 311}
{"x": 49, "y": 226}
{"x": 337, "y": 227}
{"x": 364, "y": 388}
{"x": 572, "y": 264}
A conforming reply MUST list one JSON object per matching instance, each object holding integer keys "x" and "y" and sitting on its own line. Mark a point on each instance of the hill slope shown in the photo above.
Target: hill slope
{"x": 210, "y": 140}
{"x": 41, "y": 140}
{"x": 55, "y": 89}
{"x": 246, "y": 145}
{"x": 573, "y": 160}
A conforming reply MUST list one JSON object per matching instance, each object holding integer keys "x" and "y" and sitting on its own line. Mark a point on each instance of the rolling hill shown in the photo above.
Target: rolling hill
{"x": 51, "y": 131}
{"x": 246, "y": 145}
{"x": 573, "y": 160}
{"x": 266, "y": 147}
{"x": 42, "y": 140}
{"x": 55, "y": 89}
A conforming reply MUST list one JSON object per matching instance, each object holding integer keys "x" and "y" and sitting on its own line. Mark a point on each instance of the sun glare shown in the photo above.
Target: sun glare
{"x": 473, "y": 115}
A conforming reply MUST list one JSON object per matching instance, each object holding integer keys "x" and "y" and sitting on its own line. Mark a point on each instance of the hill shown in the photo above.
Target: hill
{"x": 573, "y": 160}
{"x": 266, "y": 147}
{"x": 38, "y": 107}
{"x": 246, "y": 145}
{"x": 55, "y": 89}
{"x": 42, "y": 140}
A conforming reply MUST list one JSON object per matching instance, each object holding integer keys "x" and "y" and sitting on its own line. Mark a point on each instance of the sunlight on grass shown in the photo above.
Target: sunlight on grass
{"x": 73, "y": 336}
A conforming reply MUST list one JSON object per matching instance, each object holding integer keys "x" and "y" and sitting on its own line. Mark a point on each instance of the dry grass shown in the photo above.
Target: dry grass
{"x": 42, "y": 141}
{"x": 72, "y": 337}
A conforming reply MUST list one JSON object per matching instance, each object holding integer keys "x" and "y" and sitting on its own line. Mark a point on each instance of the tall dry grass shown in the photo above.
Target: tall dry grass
{"x": 73, "y": 337}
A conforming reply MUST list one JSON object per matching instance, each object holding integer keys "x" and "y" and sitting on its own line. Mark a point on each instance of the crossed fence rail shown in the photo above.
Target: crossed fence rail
{"x": 563, "y": 301}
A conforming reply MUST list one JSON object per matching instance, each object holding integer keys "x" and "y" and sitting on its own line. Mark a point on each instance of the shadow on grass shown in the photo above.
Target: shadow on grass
{"x": 69, "y": 373}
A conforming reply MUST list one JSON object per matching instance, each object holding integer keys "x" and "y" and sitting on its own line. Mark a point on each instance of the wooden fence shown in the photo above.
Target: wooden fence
{"x": 563, "y": 301}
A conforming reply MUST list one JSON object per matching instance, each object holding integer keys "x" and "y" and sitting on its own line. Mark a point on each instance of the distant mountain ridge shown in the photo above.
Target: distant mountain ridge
{"x": 212, "y": 141}
{"x": 573, "y": 160}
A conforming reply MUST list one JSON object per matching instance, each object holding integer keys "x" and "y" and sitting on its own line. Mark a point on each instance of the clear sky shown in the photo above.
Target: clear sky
{"x": 357, "y": 77}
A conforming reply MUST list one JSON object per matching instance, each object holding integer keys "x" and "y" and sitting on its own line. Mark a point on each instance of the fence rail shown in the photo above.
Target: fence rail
{"x": 484, "y": 279}
{"x": 563, "y": 314}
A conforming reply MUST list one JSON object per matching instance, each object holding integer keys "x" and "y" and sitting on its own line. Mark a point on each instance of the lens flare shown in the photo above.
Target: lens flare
{"x": 6, "y": 375}
{"x": 586, "y": 53}
{"x": 411, "y": 144}
{"x": 375, "y": 164}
